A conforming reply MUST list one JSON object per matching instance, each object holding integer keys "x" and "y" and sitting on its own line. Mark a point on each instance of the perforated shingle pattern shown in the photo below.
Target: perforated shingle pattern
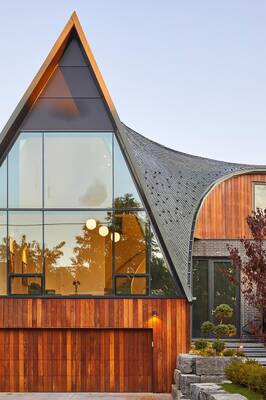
{"x": 174, "y": 185}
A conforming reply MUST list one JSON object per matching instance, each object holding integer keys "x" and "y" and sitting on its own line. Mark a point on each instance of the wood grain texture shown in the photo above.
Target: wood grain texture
{"x": 224, "y": 211}
{"x": 170, "y": 333}
{"x": 76, "y": 360}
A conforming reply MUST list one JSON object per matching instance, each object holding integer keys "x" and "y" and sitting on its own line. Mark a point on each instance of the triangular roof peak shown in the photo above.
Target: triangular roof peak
{"x": 44, "y": 74}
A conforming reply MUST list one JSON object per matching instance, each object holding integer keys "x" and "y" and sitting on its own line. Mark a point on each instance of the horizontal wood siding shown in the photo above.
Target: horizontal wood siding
{"x": 170, "y": 330}
{"x": 224, "y": 211}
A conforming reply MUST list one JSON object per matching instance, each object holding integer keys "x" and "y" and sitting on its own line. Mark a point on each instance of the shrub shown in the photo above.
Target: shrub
{"x": 229, "y": 352}
{"x": 201, "y": 344}
{"x": 207, "y": 328}
{"x": 223, "y": 311}
{"x": 249, "y": 374}
{"x": 231, "y": 330}
{"x": 221, "y": 330}
{"x": 240, "y": 353}
{"x": 218, "y": 345}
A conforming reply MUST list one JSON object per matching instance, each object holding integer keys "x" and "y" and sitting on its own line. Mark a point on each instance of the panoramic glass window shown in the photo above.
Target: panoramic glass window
{"x": 131, "y": 285}
{"x": 259, "y": 195}
{"x": 78, "y": 253}
{"x": 3, "y": 253}
{"x": 26, "y": 285}
{"x": 74, "y": 221}
{"x": 25, "y": 172}
{"x": 162, "y": 283}
{"x": 131, "y": 229}
{"x": 85, "y": 159}
{"x": 3, "y": 184}
{"x": 25, "y": 242}
{"x": 126, "y": 195}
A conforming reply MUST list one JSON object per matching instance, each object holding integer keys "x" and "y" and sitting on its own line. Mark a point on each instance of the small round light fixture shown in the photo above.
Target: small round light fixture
{"x": 103, "y": 231}
{"x": 154, "y": 313}
{"x": 115, "y": 236}
{"x": 91, "y": 224}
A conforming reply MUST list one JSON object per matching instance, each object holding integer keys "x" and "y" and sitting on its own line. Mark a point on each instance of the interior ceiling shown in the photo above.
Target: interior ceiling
{"x": 172, "y": 184}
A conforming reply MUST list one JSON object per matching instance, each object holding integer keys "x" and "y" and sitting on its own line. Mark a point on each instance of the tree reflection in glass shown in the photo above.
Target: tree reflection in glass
{"x": 83, "y": 255}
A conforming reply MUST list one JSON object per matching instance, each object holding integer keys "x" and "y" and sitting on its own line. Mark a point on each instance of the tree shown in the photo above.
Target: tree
{"x": 252, "y": 267}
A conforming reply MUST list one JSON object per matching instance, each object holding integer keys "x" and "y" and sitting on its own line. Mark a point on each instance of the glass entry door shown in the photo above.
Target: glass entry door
{"x": 211, "y": 287}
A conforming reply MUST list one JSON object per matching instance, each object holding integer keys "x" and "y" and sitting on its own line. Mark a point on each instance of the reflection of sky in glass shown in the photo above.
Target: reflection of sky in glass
{"x": 25, "y": 171}
{"x": 123, "y": 181}
{"x": 65, "y": 226}
{"x": 78, "y": 170}
{"x": 260, "y": 196}
{"x": 25, "y": 223}
{"x": 3, "y": 184}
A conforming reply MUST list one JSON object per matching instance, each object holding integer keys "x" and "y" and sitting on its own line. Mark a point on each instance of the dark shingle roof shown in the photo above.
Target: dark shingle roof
{"x": 174, "y": 185}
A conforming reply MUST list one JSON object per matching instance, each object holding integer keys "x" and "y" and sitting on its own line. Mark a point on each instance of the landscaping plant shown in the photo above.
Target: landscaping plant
{"x": 252, "y": 267}
{"x": 249, "y": 374}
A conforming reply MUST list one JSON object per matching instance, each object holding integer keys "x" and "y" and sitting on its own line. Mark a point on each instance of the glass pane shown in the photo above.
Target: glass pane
{"x": 3, "y": 253}
{"x": 130, "y": 242}
{"x": 162, "y": 283}
{"x": 78, "y": 253}
{"x": 25, "y": 172}
{"x": 68, "y": 115}
{"x": 25, "y": 285}
{"x": 25, "y": 242}
{"x": 200, "y": 292}
{"x": 3, "y": 185}
{"x": 225, "y": 292}
{"x": 131, "y": 286}
{"x": 71, "y": 82}
{"x": 78, "y": 170}
{"x": 126, "y": 195}
{"x": 260, "y": 196}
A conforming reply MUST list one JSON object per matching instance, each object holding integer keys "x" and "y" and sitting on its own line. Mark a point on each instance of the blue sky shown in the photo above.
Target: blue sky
{"x": 188, "y": 74}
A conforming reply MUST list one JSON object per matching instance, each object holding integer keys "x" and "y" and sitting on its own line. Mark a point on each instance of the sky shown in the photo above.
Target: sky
{"x": 189, "y": 74}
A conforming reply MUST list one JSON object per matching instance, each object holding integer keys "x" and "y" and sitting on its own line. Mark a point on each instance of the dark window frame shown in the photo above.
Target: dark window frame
{"x": 112, "y": 209}
{"x": 211, "y": 261}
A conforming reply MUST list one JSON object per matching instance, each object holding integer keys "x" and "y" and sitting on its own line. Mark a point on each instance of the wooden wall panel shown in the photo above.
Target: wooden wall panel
{"x": 75, "y": 360}
{"x": 224, "y": 211}
{"x": 171, "y": 329}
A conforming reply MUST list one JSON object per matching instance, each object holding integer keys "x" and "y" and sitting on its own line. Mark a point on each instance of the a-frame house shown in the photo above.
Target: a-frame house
{"x": 97, "y": 232}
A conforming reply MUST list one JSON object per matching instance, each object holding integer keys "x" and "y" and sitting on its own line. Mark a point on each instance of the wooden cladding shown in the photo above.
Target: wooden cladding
{"x": 75, "y": 360}
{"x": 170, "y": 332}
{"x": 224, "y": 211}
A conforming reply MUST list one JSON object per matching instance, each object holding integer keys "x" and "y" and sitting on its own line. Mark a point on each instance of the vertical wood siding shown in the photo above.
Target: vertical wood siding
{"x": 170, "y": 330}
{"x": 224, "y": 211}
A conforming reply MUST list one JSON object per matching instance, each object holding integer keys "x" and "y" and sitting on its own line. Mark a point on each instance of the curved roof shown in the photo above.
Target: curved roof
{"x": 174, "y": 185}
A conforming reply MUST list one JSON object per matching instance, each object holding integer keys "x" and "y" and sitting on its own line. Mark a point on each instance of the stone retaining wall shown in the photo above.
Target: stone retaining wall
{"x": 195, "y": 371}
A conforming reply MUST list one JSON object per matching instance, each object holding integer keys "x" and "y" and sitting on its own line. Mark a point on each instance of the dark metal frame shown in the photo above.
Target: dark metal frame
{"x": 114, "y": 210}
{"x": 211, "y": 261}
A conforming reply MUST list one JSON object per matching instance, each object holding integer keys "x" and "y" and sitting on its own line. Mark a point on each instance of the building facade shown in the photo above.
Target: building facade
{"x": 99, "y": 226}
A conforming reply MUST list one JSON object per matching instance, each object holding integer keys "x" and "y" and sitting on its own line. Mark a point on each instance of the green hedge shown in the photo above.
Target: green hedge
{"x": 248, "y": 374}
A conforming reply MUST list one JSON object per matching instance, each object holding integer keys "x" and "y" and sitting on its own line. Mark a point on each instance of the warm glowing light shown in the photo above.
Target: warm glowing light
{"x": 91, "y": 224}
{"x": 103, "y": 231}
{"x": 116, "y": 236}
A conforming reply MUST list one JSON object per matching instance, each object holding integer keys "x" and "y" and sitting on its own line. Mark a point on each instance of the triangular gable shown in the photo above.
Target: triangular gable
{"x": 39, "y": 109}
{"x": 72, "y": 31}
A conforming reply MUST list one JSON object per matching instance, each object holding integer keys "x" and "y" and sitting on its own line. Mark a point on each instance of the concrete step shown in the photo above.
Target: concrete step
{"x": 234, "y": 345}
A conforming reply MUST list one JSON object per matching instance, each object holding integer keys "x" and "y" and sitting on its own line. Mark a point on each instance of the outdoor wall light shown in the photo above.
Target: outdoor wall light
{"x": 103, "y": 231}
{"x": 91, "y": 224}
{"x": 154, "y": 313}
